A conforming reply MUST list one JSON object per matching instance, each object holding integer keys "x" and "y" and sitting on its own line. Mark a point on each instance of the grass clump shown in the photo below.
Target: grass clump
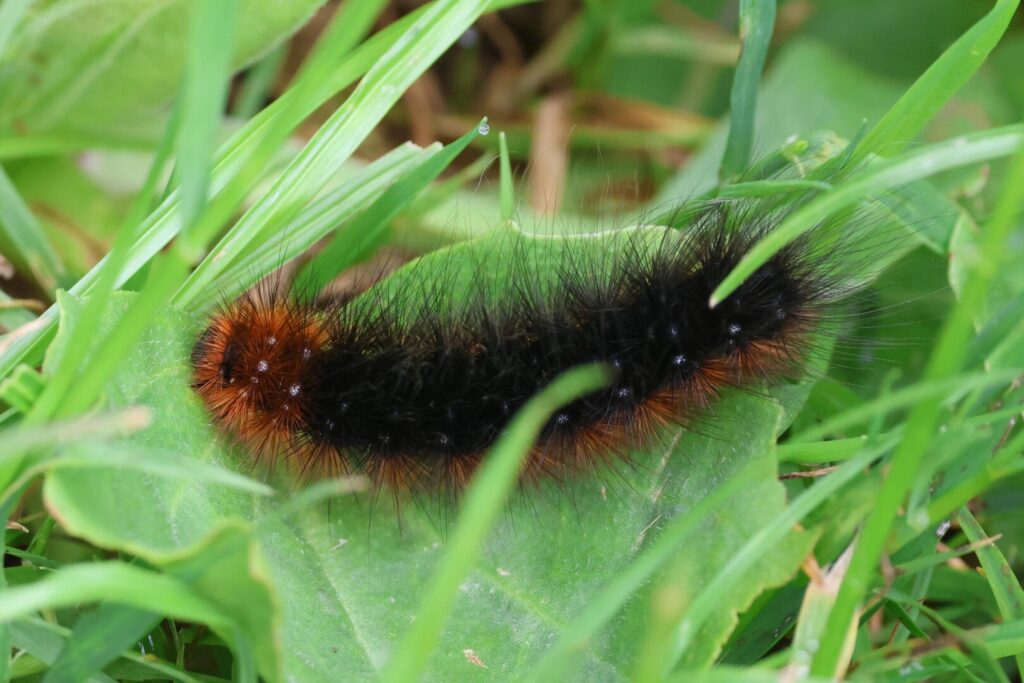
{"x": 138, "y": 548}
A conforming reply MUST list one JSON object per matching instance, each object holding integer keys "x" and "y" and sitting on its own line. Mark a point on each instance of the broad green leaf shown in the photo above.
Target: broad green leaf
{"x": 138, "y": 386}
{"x": 487, "y": 494}
{"x": 349, "y": 578}
{"x": 230, "y": 570}
{"x": 109, "y": 67}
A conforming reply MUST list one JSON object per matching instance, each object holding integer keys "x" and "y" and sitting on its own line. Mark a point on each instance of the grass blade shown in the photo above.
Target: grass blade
{"x": 367, "y": 230}
{"x": 606, "y": 604}
{"x": 203, "y": 95}
{"x": 62, "y": 376}
{"x": 936, "y": 86}
{"x": 339, "y": 137}
{"x": 944, "y": 362}
{"x": 507, "y": 190}
{"x": 115, "y": 582}
{"x": 759, "y": 544}
{"x": 1005, "y": 588}
{"x": 98, "y": 638}
{"x": 44, "y": 640}
{"x": 757, "y": 19}
{"x": 903, "y": 398}
{"x": 23, "y": 241}
{"x": 317, "y": 220}
{"x": 483, "y": 503}
{"x": 818, "y": 600}
{"x": 258, "y": 83}
{"x": 202, "y": 102}
{"x": 920, "y": 163}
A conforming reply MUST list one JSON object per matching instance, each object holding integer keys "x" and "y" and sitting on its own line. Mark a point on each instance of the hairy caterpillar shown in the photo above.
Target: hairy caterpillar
{"x": 413, "y": 396}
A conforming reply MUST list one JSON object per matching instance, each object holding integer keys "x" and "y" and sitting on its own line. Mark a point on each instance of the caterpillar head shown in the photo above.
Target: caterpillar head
{"x": 253, "y": 365}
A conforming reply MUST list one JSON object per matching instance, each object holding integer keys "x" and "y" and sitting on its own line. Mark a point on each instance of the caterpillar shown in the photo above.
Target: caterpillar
{"x": 412, "y": 395}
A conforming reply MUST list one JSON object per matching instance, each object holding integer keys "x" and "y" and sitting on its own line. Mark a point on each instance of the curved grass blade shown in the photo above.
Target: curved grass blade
{"x": 607, "y": 603}
{"x": 339, "y": 137}
{"x": 483, "y": 503}
{"x": 930, "y": 92}
{"x": 704, "y": 604}
{"x": 110, "y": 581}
{"x": 878, "y": 177}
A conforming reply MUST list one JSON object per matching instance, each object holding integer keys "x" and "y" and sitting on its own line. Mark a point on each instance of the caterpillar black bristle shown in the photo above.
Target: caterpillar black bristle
{"x": 415, "y": 400}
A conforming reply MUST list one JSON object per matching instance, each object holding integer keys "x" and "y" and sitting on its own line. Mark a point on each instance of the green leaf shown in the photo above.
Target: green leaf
{"x": 22, "y": 440}
{"x": 229, "y": 569}
{"x": 110, "y": 67}
{"x": 610, "y": 600}
{"x": 138, "y": 385}
{"x": 351, "y": 577}
{"x": 183, "y": 509}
